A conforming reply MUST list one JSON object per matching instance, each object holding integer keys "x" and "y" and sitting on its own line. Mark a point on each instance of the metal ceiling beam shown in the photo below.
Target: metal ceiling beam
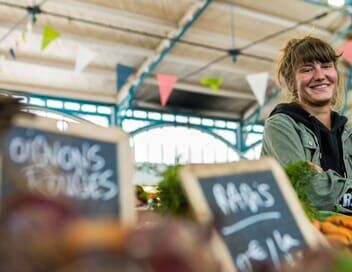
{"x": 31, "y": 50}
{"x": 57, "y": 81}
{"x": 164, "y": 25}
{"x": 111, "y": 14}
{"x": 156, "y": 24}
{"x": 270, "y": 18}
{"x": 149, "y": 65}
{"x": 204, "y": 113}
{"x": 61, "y": 93}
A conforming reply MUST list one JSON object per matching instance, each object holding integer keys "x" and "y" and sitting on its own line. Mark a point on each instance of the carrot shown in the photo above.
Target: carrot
{"x": 342, "y": 220}
{"x": 337, "y": 239}
{"x": 330, "y": 228}
{"x": 316, "y": 223}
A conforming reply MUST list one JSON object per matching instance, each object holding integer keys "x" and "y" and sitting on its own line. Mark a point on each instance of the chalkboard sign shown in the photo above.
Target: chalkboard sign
{"x": 88, "y": 165}
{"x": 255, "y": 211}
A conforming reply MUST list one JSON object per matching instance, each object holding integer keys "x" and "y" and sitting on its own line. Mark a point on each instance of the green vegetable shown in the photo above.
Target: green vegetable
{"x": 300, "y": 174}
{"x": 172, "y": 198}
{"x": 321, "y": 215}
{"x": 141, "y": 194}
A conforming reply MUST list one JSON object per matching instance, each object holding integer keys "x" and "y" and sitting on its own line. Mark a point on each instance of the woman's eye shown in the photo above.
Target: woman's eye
{"x": 327, "y": 66}
{"x": 306, "y": 69}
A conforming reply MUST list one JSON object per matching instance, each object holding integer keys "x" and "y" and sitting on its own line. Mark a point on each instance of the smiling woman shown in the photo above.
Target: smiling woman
{"x": 316, "y": 85}
{"x": 309, "y": 64}
{"x": 308, "y": 128}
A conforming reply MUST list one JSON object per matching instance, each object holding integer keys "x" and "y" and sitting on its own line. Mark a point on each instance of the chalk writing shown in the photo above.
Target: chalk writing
{"x": 231, "y": 199}
{"x": 66, "y": 157}
{"x": 54, "y": 168}
{"x": 242, "y": 224}
{"x": 274, "y": 245}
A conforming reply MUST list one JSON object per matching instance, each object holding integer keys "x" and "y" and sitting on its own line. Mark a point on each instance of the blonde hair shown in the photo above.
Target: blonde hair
{"x": 307, "y": 49}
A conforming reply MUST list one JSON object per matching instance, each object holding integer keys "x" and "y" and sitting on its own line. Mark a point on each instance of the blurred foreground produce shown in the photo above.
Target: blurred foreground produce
{"x": 323, "y": 260}
{"x": 148, "y": 199}
{"x": 141, "y": 195}
{"x": 9, "y": 107}
{"x": 39, "y": 234}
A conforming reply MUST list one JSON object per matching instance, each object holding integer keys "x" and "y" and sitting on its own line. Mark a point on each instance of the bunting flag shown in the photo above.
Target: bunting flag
{"x": 12, "y": 53}
{"x": 213, "y": 83}
{"x": 24, "y": 36}
{"x": 49, "y": 35}
{"x": 166, "y": 86}
{"x": 2, "y": 62}
{"x": 83, "y": 58}
{"x": 258, "y": 83}
{"x": 346, "y": 50}
{"x": 28, "y": 31}
{"x": 17, "y": 44}
{"x": 123, "y": 73}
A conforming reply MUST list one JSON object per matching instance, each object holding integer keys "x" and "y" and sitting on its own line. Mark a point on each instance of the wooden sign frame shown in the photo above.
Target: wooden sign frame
{"x": 191, "y": 174}
{"x": 85, "y": 130}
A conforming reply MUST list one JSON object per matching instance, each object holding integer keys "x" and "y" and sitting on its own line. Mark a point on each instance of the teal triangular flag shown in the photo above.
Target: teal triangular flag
{"x": 123, "y": 73}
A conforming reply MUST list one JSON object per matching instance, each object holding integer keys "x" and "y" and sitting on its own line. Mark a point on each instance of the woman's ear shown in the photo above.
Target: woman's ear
{"x": 292, "y": 87}
{"x": 292, "y": 90}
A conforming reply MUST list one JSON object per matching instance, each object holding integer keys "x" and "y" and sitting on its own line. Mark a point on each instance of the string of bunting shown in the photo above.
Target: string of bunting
{"x": 166, "y": 82}
{"x": 258, "y": 83}
{"x": 49, "y": 35}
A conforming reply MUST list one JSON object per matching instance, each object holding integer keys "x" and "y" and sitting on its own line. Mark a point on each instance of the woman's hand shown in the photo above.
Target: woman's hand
{"x": 316, "y": 167}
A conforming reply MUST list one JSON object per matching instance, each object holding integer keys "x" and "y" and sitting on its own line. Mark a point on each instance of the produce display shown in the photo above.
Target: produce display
{"x": 9, "y": 107}
{"x": 146, "y": 198}
{"x": 336, "y": 228}
{"x": 40, "y": 234}
{"x": 322, "y": 260}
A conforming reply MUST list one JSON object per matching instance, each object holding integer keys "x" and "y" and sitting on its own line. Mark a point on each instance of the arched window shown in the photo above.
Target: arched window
{"x": 166, "y": 144}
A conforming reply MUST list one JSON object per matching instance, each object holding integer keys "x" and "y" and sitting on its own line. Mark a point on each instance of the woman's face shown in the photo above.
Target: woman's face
{"x": 316, "y": 83}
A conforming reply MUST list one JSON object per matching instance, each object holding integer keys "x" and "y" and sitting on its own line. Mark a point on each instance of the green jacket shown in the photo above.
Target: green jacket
{"x": 289, "y": 141}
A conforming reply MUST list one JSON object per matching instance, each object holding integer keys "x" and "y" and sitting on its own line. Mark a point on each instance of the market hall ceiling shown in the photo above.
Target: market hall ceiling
{"x": 136, "y": 33}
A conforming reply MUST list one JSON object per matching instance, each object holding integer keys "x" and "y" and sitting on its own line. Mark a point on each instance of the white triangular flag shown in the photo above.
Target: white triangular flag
{"x": 83, "y": 58}
{"x": 2, "y": 62}
{"x": 258, "y": 83}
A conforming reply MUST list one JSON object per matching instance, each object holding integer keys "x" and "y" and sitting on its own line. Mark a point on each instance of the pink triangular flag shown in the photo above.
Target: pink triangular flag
{"x": 346, "y": 50}
{"x": 166, "y": 86}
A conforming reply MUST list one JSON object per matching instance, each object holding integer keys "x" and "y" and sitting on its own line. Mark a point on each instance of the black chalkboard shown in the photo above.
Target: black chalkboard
{"x": 85, "y": 171}
{"x": 254, "y": 217}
